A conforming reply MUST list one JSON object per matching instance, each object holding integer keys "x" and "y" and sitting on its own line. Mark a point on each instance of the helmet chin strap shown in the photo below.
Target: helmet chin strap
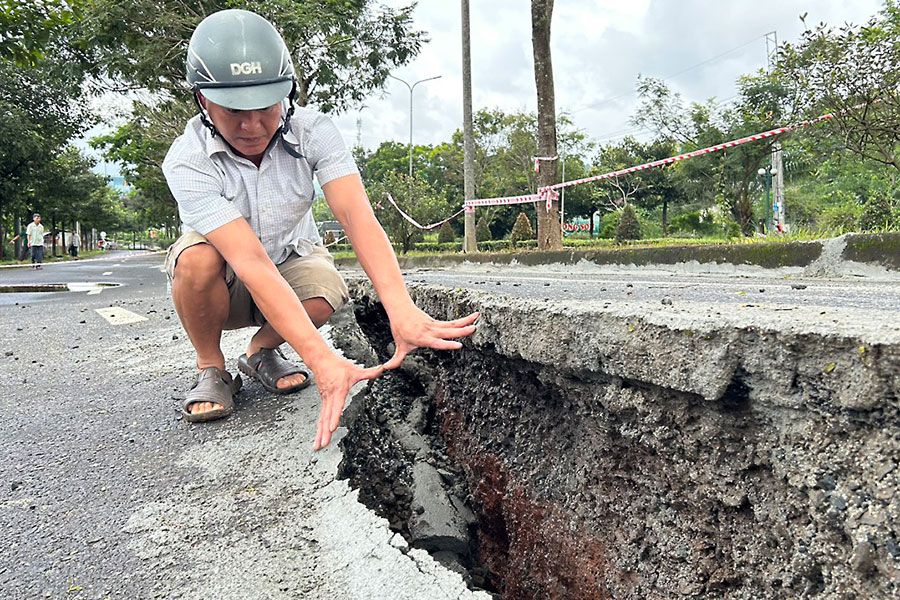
{"x": 286, "y": 127}
{"x": 204, "y": 117}
{"x": 291, "y": 149}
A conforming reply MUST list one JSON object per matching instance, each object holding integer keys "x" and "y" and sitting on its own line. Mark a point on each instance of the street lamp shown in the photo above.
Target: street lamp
{"x": 411, "y": 88}
{"x": 767, "y": 173}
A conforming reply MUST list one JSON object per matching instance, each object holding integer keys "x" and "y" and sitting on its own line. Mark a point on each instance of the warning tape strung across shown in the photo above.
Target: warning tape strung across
{"x": 415, "y": 223}
{"x": 549, "y": 192}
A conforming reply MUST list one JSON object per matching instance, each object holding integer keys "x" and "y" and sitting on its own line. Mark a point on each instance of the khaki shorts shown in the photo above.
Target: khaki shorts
{"x": 313, "y": 276}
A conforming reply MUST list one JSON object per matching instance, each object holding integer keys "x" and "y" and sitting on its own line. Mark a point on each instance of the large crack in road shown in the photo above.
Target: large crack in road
{"x": 573, "y": 452}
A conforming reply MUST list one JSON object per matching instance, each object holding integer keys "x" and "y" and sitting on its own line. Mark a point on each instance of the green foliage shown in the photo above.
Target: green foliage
{"x": 628, "y": 228}
{"x": 609, "y": 222}
{"x": 841, "y": 218}
{"x": 27, "y": 27}
{"x": 482, "y": 230}
{"x": 877, "y": 214}
{"x": 852, "y": 73}
{"x": 693, "y": 222}
{"x": 416, "y": 198}
{"x": 521, "y": 230}
{"x": 446, "y": 234}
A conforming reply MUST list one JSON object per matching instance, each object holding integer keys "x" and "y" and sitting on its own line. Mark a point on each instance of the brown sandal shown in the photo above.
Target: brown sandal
{"x": 213, "y": 385}
{"x": 268, "y": 366}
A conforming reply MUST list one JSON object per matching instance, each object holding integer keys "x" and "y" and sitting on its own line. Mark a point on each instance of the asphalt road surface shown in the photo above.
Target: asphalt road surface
{"x": 106, "y": 493}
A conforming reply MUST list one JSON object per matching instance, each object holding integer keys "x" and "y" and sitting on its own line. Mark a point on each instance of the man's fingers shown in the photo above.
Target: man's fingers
{"x": 396, "y": 360}
{"x": 371, "y": 372}
{"x": 454, "y": 332}
{"x": 464, "y": 321}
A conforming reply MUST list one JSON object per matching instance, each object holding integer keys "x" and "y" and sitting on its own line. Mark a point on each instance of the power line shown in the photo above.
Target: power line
{"x": 599, "y": 103}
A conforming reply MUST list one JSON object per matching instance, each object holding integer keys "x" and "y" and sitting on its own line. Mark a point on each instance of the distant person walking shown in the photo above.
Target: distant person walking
{"x": 34, "y": 233}
{"x": 34, "y": 241}
{"x": 74, "y": 244}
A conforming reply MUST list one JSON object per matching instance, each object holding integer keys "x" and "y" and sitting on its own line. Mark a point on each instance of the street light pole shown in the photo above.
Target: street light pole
{"x": 411, "y": 88}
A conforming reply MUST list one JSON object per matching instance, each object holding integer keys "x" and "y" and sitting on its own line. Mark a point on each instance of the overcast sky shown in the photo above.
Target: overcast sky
{"x": 599, "y": 48}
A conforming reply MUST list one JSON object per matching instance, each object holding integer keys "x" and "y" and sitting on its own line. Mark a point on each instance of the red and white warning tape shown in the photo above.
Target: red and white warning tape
{"x": 416, "y": 223}
{"x": 549, "y": 193}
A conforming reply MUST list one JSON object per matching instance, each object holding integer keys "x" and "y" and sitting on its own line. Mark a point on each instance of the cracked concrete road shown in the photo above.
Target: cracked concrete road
{"x": 104, "y": 493}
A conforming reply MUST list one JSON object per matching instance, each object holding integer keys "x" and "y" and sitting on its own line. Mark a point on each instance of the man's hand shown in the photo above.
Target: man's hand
{"x": 334, "y": 378}
{"x": 418, "y": 330}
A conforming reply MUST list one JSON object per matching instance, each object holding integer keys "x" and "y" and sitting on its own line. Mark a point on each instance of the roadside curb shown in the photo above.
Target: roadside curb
{"x": 850, "y": 254}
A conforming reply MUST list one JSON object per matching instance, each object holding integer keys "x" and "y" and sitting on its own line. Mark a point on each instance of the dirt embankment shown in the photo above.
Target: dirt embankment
{"x": 572, "y": 453}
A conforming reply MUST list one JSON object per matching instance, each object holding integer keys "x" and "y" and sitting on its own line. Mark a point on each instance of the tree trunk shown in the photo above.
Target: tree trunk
{"x": 665, "y": 218}
{"x": 549, "y": 231}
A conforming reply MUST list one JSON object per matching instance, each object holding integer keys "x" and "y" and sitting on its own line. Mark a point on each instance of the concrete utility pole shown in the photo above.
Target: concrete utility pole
{"x": 469, "y": 244}
{"x": 778, "y": 189}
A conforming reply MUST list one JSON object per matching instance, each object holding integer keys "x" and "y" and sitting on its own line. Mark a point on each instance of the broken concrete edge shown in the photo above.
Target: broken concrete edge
{"x": 852, "y": 363}
{"x": 855, "y": 252}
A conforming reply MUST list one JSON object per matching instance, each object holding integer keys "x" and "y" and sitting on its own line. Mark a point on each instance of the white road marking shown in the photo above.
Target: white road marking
{"x": 119, "y": 316}
{"x": 108, "y": 273}
{"x": 85, "y": 286}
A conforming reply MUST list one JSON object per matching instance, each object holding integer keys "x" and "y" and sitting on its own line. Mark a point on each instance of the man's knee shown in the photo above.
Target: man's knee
{"x": 199, "y": 265}
{"x": 318, "y": 309}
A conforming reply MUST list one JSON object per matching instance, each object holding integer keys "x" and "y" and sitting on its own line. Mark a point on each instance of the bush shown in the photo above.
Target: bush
{"x": 446, "y": 234}
{"x": 841, "y": 218}
{"x": 877, "y": 214}
{"x": 521, "y": 230}
{"x": 693, "y": 222}
{"x": 608, "y": 224}
{"x": 628, "y": 228}
{"x": 482, "y": 231}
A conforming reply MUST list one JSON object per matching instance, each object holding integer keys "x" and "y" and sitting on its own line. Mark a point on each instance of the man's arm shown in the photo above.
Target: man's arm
{"x": 410, "y": 326}
{"x": 239, "y": 246}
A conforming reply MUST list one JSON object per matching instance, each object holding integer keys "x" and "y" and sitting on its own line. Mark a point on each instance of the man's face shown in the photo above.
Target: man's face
{"x": 37, "y": 220}
{"x": 248, "y": 131}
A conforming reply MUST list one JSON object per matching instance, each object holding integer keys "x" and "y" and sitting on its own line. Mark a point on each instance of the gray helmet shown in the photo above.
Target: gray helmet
{"x": 238, "y": 60}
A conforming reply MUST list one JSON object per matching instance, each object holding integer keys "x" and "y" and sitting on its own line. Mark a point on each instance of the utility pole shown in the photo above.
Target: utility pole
{"x": 469, "y": 243}
{"x": 777, "y": 189}
{"x": 777, "y": 166}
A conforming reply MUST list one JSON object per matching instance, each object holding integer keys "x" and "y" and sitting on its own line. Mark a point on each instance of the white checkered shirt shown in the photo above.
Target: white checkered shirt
{"x": 213, "y": 186}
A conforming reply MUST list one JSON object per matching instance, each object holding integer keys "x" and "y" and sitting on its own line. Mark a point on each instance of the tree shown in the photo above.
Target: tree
{"x": 482, "y": 230}
{"x": 728, "y": 177}
{"x": 629, "y": 228}
{"x": 39, "y": 113}
{"x": 521, "y": 230}
{"x": 342, "y": 50}
{"x": 549, "y": 232}
{"x": 853, "y": 73}
{"x": 27, "y": 27}
{"x": 446, "y": 235}
{"x": 424, "y": 205}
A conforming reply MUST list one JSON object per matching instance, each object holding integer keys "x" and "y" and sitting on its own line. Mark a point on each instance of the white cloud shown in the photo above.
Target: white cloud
{"x": 599, "y": 48}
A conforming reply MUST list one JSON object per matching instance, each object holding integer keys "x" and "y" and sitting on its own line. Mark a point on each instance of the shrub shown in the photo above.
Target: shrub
{"x": 841, "y": 218}
{"x": 876, "y": 214}
{"x": 628, "y": 228}
{"x": 521, "y": 230}
{"x": 693, "y": 222}
{"x": 608, "y": 224}
{"x": 446, "y": 234}
{"x": 482, "y": 231}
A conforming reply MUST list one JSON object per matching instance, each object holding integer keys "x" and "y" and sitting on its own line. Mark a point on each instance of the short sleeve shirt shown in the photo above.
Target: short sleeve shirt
{"x": 213, "y": 186}
{"x": 35, "y": 234}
